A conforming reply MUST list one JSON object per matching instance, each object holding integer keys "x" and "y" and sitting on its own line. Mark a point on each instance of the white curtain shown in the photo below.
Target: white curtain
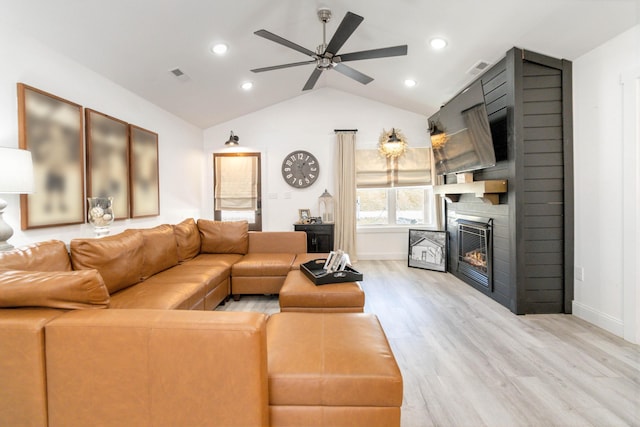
{"x": 438, "y": 201}
{"x": 345, "y": 200}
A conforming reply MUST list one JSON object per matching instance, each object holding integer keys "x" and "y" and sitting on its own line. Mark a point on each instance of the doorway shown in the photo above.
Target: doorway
{"x": 237, "y": 188}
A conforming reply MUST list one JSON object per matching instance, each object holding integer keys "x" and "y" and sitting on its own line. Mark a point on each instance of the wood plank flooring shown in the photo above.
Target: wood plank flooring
{"x": 468, "y": 361}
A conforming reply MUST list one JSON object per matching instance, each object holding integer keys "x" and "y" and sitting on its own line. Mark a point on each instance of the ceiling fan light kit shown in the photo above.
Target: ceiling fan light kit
{"x": 326, "y": 55}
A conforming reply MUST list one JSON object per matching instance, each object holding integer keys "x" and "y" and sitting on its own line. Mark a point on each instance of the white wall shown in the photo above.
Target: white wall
{"x": 180, "y": 144}
{"x": 307, "y": 122}
{"x": 599, "y": 150}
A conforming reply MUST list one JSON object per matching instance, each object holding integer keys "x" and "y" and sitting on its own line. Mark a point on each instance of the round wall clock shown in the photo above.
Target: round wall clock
{"x": 300, "y": 169}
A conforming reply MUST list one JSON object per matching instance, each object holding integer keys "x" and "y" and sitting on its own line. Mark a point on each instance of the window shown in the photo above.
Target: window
{"x": 394, "y": 191}
{"x": 395, "y": 206}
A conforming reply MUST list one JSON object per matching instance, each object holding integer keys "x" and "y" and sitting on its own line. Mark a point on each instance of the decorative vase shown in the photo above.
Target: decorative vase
{"x": 100, "y": 214}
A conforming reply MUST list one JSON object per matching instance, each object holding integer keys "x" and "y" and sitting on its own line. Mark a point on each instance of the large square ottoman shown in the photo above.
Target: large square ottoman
{"x": 299, "y": 293}
{"x": 331, "y": 369}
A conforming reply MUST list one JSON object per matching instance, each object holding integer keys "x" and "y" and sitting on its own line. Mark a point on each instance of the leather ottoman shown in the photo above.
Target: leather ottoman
{"x": 298, "y": 293}
{"x": 331, "y": 369}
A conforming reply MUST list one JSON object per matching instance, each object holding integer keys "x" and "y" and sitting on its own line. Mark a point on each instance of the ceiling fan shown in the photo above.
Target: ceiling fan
{"x": 326, "y": 55}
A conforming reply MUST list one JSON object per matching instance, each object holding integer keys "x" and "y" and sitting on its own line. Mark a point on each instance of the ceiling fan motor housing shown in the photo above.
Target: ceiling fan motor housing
{"x": 324, "y": 14}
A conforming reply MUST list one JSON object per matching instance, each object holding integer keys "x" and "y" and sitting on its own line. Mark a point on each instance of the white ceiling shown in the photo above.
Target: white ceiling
{"x": 136, "y": 42}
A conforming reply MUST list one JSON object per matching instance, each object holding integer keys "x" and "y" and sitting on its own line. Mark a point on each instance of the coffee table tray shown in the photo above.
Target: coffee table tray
{"x": 317, "y": 274}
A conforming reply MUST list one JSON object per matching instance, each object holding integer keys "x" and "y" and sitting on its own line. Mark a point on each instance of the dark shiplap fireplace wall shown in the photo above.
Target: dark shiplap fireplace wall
{"x": 530, "y": 94}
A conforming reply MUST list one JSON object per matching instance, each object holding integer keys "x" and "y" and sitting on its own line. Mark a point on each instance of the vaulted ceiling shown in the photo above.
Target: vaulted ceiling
{"x": 136, "y": 43}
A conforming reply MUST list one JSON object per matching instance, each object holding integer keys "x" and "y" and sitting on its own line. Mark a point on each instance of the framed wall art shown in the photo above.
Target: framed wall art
{"x": 428, "y": 249}
{"x": 145, "y": 182}
{"x": 51, "y": 129}
{"x": 108, "y": 160}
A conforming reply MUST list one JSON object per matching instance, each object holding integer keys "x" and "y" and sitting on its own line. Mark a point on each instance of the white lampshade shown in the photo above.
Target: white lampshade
{"x": 16, "y": 171}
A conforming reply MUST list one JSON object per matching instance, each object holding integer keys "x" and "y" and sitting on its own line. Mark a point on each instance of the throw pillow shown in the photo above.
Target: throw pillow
{"x": 224, "y": 237}
{"x": 118, "y": 258}
{"x": 188, "y": 239}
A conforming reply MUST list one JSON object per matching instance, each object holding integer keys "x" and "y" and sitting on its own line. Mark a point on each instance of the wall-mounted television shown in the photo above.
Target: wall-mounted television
{"x": 461, "y": 134}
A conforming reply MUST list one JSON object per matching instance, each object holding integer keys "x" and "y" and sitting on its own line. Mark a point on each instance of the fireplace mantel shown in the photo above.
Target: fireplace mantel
{"x": 489, "y": 191}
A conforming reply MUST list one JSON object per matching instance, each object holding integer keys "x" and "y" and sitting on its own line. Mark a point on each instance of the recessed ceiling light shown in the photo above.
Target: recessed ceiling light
{"x": 410, "y": 83}
{"x": 219, "y": 49}
{"x": 247, "y": 85}
{"x": 438, "y": 43}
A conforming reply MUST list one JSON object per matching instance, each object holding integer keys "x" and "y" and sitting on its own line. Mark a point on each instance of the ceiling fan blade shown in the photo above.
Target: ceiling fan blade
{"x": 277, "y": 67}
{"x": 284, "y": 42}
{"x": 354, "y": 74}
{"x": 315, "y": 75}
{"x": 344, "y": 31}
{"x": 384, "y": 52}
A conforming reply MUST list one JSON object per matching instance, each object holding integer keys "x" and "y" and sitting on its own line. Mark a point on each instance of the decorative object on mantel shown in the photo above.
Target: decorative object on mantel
{"x": 488, "y": 191}
{"x": 100, "y": 214}
{"x": 51, "y": 129}
{"x": 325, "y": 206}
{"x": 392, "y": 143}
{"x": 233, "y": 140}
{"x": 16, "y": 177}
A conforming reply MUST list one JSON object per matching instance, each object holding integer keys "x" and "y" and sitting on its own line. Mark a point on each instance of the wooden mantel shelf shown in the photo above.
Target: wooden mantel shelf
{"x": 488, "y": 191}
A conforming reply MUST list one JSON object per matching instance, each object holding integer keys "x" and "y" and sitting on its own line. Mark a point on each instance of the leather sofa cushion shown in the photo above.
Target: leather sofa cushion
{"x": 160, "y": 295}
{"x": 23, "y": 394}
{"x": 263, "y": 265}
{"x": 50, "y": 255}
{"x": 331, "y": 359}
{"x": 160, "y": 250}
{"x": 277, "y": 242}
{"x": 118, "y": 258}
{"x": 223, "y": 237}
{"x": 63, "y": 289}
{"x": 188, "y": 239}
{"x": 299, "y": 293}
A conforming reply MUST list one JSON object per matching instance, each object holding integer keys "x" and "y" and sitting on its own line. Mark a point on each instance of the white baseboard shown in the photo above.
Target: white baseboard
{"x": 602, "y": 320}
{"x": 382, "y": 256}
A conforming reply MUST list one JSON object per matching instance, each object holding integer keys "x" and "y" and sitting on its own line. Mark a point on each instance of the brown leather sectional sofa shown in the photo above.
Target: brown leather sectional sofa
{"x": 65, "y": 360}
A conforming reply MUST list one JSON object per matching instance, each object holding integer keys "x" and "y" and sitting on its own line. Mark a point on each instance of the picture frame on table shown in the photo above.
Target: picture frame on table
{"x": 50, "y": 128}
{"x": 145, "y": 180}
{"x": 304, "y": 216}
{"x": 428, "y": 249}
{"x": 108, "y": 160}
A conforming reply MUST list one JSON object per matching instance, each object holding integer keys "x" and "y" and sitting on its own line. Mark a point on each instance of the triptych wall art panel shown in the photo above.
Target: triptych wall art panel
{"x": 121, "y": 161}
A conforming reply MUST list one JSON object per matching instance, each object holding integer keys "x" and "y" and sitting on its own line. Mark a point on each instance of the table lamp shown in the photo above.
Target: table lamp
{"x": 16, "y": 177}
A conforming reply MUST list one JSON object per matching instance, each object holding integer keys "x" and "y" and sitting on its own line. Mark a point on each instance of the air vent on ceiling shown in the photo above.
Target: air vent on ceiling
{"x": 180, "y": 75}
{"x": 478, "y": 67}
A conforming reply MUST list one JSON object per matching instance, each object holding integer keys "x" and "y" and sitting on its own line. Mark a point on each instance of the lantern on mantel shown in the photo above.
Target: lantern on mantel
{"x": 325, "y": 207}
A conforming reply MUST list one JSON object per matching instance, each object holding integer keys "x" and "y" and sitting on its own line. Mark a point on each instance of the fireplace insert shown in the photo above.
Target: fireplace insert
{"x": 475, "y": 247}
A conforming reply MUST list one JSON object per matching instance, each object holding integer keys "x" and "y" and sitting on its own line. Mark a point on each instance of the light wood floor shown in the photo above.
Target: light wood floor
{"x": 468, "y": 361}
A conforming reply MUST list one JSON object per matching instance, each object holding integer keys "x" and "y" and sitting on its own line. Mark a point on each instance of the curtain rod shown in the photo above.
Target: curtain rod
{"x": 345, "y": 130}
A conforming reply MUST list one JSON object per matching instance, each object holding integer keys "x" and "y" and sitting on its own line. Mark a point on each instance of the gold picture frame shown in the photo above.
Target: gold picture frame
{"x": 145, "y": 180}
{"x": 108, "y": 160}
{"x": 50, "y": 128}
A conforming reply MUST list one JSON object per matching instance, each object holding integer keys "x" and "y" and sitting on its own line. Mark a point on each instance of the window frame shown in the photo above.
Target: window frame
{"x": 428, "y": 209}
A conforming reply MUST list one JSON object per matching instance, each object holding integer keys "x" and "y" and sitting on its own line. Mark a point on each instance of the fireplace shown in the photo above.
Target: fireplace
{"x": 475, "y": 247}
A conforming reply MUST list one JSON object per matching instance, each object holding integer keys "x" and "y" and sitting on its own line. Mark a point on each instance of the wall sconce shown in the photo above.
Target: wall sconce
{"x": 233, "y": 140}
{"x": 392, "y": 143}
{"x": 438, "y": 136}
{"x": 16, "y": 177}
